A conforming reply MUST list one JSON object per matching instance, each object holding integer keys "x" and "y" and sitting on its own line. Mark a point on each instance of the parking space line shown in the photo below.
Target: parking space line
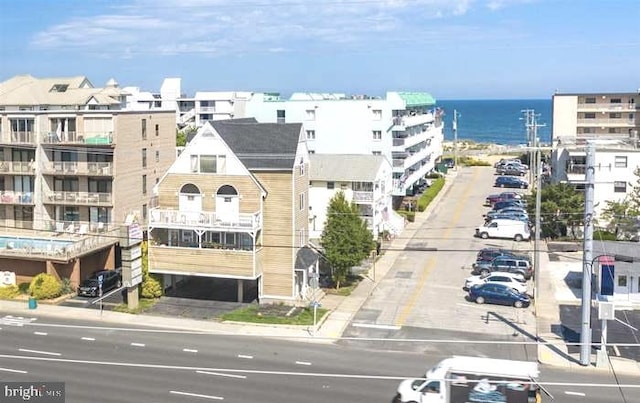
{"x": 189, "y": 350}
{"x": 248, "y": 357}
{"x": 87, "y": 338}
{"x": 176, "y": 392}
{"x": 24, "y": 350}
{"x": 138, "y": 344}
{"x": 303, "y": 363}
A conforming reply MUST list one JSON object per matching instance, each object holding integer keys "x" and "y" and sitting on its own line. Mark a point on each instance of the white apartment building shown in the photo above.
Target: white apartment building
{"x": 612, "y": 121}
{"x": 204, "y": 106}
{"x": 404, "y": 127}
{"x": 364, "y": 179}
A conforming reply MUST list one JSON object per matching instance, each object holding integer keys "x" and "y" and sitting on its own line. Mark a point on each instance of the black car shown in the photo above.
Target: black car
{"x": 449, "y": 162}
{"x": 90, "y": 287}
{"x": 511, "y": 182}
{"x": 509, "y": 203}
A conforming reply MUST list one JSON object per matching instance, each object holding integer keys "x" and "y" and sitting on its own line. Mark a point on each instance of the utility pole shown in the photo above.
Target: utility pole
{"x": 538, "y": 173}
{"x": 529, "y": 116}
{"x": 455, "y": 138}
{"x": 587, "y": 255}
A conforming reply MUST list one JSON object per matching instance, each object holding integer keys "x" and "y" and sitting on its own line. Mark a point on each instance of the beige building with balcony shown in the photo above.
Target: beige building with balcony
{"x": 234, "y": 205}
{"x": 74, "y": 163}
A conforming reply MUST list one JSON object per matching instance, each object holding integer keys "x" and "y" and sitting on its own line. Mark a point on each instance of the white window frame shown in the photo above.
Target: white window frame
{"x": 311, "y": 134}
{"x": 376, "y": 135}
{"x": 620, "y": 187}
{"x": 620, "y": 161}
{"x": 377, "y": 114}
{"x": 301, "y": 201}
{"x": 310, "y": 114}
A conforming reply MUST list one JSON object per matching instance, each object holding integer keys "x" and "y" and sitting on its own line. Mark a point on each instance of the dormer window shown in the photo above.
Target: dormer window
{"x": 59, "y": 88}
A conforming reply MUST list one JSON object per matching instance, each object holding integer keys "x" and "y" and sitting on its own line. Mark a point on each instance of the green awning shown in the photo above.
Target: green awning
{"x": 417, "y": 98}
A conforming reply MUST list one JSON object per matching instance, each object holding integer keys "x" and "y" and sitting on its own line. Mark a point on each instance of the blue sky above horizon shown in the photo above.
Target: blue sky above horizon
{"x": 454, "y": 49}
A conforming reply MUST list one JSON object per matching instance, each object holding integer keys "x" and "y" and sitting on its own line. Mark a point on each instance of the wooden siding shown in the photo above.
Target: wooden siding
{"x": 278, "y": 233}
{"x": 209, "y": 262}
{"x": 248, "y": 190}
{"x": 302, "y": 215}
{"x": 128, "y": 171}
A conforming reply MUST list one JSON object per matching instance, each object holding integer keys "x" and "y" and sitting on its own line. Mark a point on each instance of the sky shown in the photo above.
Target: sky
{"x": 453, "y": 49}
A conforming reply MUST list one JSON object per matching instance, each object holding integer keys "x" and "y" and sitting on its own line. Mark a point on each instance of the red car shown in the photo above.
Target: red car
{"x": 504, "y": 196}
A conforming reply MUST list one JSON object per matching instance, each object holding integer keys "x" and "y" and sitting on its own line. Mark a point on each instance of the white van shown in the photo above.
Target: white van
{"x": 503, "y": 228}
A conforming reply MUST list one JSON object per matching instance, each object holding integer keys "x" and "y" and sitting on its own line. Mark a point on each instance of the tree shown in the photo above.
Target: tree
{"x": 561, "y": 209}
{"x": 622, "y": 216}
{"x": 151, "y": 286}
{"x": 345, "y": 238}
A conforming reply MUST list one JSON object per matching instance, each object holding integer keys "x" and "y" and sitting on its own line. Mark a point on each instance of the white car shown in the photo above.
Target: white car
{"x": 512, "y": 280}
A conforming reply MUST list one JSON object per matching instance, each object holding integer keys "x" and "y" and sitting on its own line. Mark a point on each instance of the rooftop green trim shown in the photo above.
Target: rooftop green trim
{"x": 417, "y": 98}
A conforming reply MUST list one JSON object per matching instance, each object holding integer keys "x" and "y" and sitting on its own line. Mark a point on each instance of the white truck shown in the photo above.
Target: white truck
{"x": 474, "y": 379}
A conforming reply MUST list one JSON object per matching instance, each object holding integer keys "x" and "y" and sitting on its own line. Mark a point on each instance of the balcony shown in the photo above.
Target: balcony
{"x": 11, "y": 197}
{"x": 607, "y": 122}
{"x": 607, "y": 107}
{"x": 18, "y": 137}
{"x": 362, "y": 197}
{"x": 410, "y": 120}
{"x": 78, "y": 198}
{"x": 78, "y": 168}
{"x": 206, "y": 220}
{"x": 17, "y": 167}
{"x": 84, "y": 138}
{"x": 220, "y": 262}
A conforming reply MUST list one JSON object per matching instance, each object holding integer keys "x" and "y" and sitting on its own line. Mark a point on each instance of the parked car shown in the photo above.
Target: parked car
{"x": 449, "y": 162}
{"x": 90, "y": 286}
{"x": 491, "y": 253}
{"x": 505, "y": 264}
{"x": 511, "y": 182}
{"x": 515, "y": 281}
{"x": 494, "y": 198}
{"x": 504, "y": 161}
{"x": 509, "y": 229}
{"x": 498, "y": 294}
{"x": 506, "y": 210}
{"x": 512, "y": 170}
{"x": 509, "y": 203}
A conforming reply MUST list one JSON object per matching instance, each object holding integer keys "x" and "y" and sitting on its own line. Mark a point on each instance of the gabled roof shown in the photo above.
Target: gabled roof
{"x": 28, "y": 90}
{"x": 344, "y": 167}
{"x": 261, "y": 146}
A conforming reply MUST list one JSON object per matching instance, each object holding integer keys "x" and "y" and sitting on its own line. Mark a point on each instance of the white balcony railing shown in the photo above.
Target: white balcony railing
{"x": 626, "y": 122}
{"x": 11, "y": 197}
{"x": 81, "y": 198}
{"x": 17, "y": 167}
{"x": 362, "y": 197}
{"x": 204, "y": 219}
{"x": 75, "y": 167}
{"x": 93, "y": 138}
{"x": 621, "y": 107}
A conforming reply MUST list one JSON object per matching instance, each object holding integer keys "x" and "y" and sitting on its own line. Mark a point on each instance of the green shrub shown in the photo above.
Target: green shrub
{"x": 23, "y": 288}
{"x": 151, "y": 287}
{"x": 601, "y": 235}
{"x": 66, "y": 286}
{"x": 9, "y": 292}
{"x": 409, "y": 215}
{"x": 45, "y": 286}
{"x": 429, "y": 194}
{"x": 473, "y": 162}
{"x": 434, "y": 175}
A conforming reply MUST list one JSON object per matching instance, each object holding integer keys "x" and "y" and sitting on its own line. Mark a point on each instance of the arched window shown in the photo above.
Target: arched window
{"x": 227, "y": 190}
{"x": 189, "y": 188}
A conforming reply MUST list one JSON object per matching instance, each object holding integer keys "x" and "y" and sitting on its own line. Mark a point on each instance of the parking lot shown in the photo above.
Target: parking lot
{"x": 423, "y": 289}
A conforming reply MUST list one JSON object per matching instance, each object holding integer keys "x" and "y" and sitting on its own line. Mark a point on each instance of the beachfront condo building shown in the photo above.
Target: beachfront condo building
{"x": 404, "y": 127}
{"x": 75, "y": 162}
{"x": 612, "y": 122}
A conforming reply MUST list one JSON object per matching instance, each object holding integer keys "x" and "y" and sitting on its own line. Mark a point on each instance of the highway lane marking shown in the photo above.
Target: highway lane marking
{"x": 248, "y": 357}
{"x": 374, "y": 326}
{"x": 189, "y": 350}
{"x": 176, "y": 392}
{"x": 138, "y": 344}
{"x": 568, "y": 392}
{"x": 88, "y": 338}
{"x": 24, "y": 350}
{"x": 40, "y": 333}
{"x": 417, "y": 291}
{"x": 303, "y": 363}
{"x": 17, "y": 371}
{"x": 221, "y": 374}
{"x": 16, "y": 321}
{"x": 280, "y": 373}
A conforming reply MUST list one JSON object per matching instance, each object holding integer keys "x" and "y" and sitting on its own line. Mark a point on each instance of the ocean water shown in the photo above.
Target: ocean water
{"x": 496, "y": 121}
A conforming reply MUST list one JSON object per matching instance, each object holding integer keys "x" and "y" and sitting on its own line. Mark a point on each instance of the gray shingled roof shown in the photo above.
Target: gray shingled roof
{"x": 344, "y": 167}
{"x": 261, "y": 146}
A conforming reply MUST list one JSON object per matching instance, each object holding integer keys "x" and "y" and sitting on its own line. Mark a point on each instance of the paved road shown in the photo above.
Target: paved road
{"x": 424, "y": 287}
{"x": 113, "y": 364}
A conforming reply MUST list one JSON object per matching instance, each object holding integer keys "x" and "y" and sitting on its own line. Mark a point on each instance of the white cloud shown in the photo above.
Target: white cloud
{"x": 242, "y": 26}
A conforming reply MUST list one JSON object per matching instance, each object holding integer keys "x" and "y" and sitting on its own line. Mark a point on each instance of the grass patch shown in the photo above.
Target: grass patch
{"x": 346, "y": 288}
{"x": 275, "y": 314}
{"x": 473, "y": 162}
{"x": 143, "y": 305}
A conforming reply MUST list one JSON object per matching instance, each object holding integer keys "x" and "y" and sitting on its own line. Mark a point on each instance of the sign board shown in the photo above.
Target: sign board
{"x": 135, "y": 233}
{"x": 132, "y": 253}
{"x": 7, "y": 278}
{"x": 132, "y": 273}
